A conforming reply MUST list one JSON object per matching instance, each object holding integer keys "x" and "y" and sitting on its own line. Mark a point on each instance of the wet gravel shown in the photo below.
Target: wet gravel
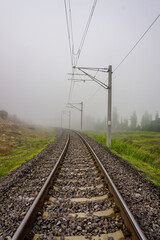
{"x": 141, "y": 196}
{"x": 19, "y": 188}
{"x": 65, "y": 188}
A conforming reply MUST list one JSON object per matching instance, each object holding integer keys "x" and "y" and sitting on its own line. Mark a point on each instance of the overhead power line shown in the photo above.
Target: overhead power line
{"x": 75, "y": 56}
{"x": 85, "y": 31}
{"x": 72, "y": 83}
{"x": 94, "y": 78}
{"x": 68, "y": 31}
{"x": 136, "y": 43}
{"x": 89, "y": 98}
{"x": 70, "y": 17}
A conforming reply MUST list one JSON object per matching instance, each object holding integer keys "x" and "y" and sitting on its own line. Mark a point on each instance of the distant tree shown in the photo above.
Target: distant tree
{"x": 133, "y": 121}
{"x": 3, "y": 114}
{"x": 156, "y": 116}
{"x": 154, "y": 125}
{"x": 123, "y": 125}
{"x": 146, "y": 120}
{"x": 139, "y": 127}
{"x": 115, "y": 119}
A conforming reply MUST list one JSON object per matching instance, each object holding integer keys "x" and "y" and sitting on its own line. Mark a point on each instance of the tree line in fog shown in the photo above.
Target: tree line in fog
{"x": 146, "y": 122}
{"x": 120, "y": 123}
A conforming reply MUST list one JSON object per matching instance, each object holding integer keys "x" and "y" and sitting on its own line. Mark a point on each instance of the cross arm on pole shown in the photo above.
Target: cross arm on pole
{"x": 76, "y": 74}
{"x": 66, "y": 112}
{"x": 93, "y": 69}
{"x": 94, "y": 79}
{"x": 71, "y": 105}
{"x": 79, "y": 80}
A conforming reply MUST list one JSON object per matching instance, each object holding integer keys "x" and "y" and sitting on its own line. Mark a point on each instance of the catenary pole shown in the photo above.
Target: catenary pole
{"x": 69, "y": 119}
{"x": 109, "y": 105}
{"x": 81, "y": 116}
{"x": 109, "y": 87}
{"x": 61, "y": 119}
{"x": 72, "y": 105}
{"x": 67, "y": 113}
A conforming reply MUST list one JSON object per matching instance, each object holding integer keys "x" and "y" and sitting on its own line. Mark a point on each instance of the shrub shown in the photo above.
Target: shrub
{"x": 3, "y": 114}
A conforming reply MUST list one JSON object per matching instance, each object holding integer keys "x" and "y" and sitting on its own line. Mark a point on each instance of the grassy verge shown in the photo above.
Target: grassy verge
{"x": 18, "y": 146}
{"x": 140, "y": 148}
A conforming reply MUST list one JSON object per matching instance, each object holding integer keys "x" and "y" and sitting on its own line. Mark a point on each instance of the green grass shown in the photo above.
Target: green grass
{"x": 140, "y": 148}
{"x": 17, "y": 148}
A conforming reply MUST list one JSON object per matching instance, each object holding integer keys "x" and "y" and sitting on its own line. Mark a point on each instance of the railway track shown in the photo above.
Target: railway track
{"x": 78, "y": 201}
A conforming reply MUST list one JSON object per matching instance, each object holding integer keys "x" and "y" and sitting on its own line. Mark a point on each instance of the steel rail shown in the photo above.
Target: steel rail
{"x": 28, "y": 220}
{"x": 129, "y": 219}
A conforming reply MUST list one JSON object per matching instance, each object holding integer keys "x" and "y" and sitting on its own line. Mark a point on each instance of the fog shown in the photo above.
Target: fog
{"x": 35, "y": 58}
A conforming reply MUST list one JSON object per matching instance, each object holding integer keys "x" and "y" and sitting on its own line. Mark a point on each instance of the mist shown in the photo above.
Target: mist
{"x": 35, "y": 59}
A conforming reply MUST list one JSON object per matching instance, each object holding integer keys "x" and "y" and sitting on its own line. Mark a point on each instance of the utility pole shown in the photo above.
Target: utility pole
{"x": 61, "y": 119}
{"x": 81, "y": 116}
{"x": 102, "y": 84}
{"x": 109, "y": 105}
{"x": 69, "y": 112}
{"x": 72, "y": 105}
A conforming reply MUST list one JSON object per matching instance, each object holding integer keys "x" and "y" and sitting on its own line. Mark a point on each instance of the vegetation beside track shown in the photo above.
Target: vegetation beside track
{"x": 140, "y": 148}
{"x": 19, "y": 142}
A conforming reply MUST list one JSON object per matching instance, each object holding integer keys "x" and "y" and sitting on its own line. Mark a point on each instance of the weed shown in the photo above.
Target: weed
{"x": 18, "y": 149}
{"x": 141, "y": 149}
{"x": 4, "y": 150}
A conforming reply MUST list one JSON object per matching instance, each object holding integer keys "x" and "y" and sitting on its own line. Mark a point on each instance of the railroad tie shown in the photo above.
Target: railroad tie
{"x": 83, "y": 200}
{"x": 93, "y": 199}
{"x": 82, "y": 188}
{"x": 107, "y": 213}
{"x": 115, "y": 235}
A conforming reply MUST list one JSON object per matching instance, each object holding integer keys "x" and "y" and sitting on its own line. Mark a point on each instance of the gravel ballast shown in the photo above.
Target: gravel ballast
{"x": 72, "y": 211}
{"x": 141, "y": 196}
{"x": 19, "y": 188}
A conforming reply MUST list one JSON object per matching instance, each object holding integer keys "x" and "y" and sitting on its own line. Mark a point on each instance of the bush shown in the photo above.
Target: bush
{"x": 3, "y": 114}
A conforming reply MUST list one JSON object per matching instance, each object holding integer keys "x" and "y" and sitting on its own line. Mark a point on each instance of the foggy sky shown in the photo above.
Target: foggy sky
{"x": 35, "y": 59}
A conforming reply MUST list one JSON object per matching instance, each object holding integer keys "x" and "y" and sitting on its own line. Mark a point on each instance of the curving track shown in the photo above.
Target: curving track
{"x": 79, "y": 202}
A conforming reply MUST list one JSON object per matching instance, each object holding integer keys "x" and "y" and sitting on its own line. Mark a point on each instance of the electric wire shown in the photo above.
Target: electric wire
{"x": 98, "y": 89}
{"x": 136, "y": 43}
{"x": 85, "y": 32}
{"x": 75, "y": 56}
{"x": 95, "y": 79}
{"x": 68, "y": 31}
{"x": 89, "y": 98}
{"x": 71, "y": 41}
{"x": 71, "y": 29}
{"x": 71, "y": 90}
{"x": 68, "y": 12}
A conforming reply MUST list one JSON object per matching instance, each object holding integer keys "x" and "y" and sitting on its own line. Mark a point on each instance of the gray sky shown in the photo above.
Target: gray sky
{"x": 35, "y": 59}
